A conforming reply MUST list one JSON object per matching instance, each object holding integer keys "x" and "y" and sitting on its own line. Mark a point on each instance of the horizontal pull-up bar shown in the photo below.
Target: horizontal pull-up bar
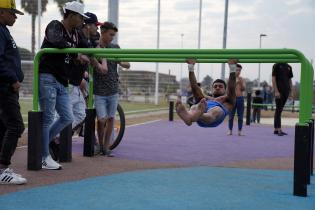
{"x": 202, "y": 56}
{"x": 172, "y": 51}
{"x": 205, "y": 56}
{"x": 182, "y": 60}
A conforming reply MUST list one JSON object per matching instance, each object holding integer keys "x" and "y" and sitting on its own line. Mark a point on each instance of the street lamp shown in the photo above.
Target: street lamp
{"x": 260, "y": 37}
{"x": 181, "y": 65}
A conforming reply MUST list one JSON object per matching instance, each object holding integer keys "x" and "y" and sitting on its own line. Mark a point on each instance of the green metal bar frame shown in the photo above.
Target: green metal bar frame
{"x": 202, "y": 56}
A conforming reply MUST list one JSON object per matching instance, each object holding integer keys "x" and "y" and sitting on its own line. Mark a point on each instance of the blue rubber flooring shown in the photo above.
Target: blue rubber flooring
{"x": 195, "y": 188}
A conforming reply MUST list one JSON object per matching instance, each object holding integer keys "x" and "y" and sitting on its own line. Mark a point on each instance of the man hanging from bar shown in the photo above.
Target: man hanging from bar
{"x": 210, "y": 111}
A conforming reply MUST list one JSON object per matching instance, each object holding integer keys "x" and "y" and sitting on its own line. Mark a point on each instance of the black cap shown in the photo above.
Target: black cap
{"x": 92, "y": 19}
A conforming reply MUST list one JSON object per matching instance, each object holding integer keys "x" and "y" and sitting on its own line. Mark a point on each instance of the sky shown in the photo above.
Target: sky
{"x": 287, "y": 24}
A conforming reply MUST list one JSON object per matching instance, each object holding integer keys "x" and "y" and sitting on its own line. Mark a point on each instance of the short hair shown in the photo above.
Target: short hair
{"x": 108, "y": 26}
{"x": 219, "y": 81}
{"x": 239, "y": 66}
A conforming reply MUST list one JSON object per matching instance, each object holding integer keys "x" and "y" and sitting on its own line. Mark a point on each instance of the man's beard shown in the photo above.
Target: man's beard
{"x": 217, "y": 95}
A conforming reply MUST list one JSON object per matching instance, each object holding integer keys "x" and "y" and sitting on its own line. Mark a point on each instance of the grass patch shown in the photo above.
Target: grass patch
{"x": 27, "y": 105}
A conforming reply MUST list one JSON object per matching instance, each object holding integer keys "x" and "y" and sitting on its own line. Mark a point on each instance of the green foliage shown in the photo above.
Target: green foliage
{"x": 30, "y": 6}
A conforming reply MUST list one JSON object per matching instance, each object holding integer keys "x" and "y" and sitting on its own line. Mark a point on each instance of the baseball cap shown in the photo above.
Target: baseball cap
{"x": 10, "y": 4}
{"x": 92, "y": 19}
{"x": 75, "y": 6}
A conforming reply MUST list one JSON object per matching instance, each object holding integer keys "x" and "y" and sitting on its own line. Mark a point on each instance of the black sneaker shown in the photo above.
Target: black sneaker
{"x": 275, "y": 132}
{"x": 283, "y": 133}
{"x": 54, "y": 150}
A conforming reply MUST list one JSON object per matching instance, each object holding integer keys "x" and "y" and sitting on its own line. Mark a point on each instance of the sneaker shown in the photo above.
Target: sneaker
{"x": 283, "y": 133}
{"x": 275, "y": 132}
{"x": 9, "y": 177}
{"x": 240, "y": 133}
{"x": 229, "y": 133}
{"x": 107, "y": 153}
{"x": 50, "y": 164}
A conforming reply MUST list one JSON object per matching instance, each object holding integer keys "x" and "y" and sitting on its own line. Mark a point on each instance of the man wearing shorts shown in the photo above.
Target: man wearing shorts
{"x": 106, "y": 90}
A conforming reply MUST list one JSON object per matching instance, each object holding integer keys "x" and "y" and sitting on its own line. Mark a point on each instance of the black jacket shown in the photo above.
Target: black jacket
{"x": 10, "y": 60}
{"x": 61, "y": 66}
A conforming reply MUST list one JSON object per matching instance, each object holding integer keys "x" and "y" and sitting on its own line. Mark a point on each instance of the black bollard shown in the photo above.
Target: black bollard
{"x": 89, "y": 133}
{"x": 171, "y": 111}
{"x": 300, "y": 159}
{"x": 65, "y": 152}
{"x": 308, "y": 153}
{"x": 248, "y": 108}
{"x": 34, "y": 149}
{"x": 312, "y": 148}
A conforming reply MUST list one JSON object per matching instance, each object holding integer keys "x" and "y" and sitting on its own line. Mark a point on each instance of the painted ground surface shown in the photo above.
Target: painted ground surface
{"x": 167, "y": 165}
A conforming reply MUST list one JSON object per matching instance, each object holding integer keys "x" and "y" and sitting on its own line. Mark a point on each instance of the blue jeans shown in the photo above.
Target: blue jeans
{"x": 239, "y": 107}
{"x": 53, "y": 96}
{"x": 78, "y": 105}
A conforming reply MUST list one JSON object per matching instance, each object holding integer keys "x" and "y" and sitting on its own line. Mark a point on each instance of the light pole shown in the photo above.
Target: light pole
{"x": 156, "y": 100}
{"x": 199, "y": 36}
{"x": 226, "y": 14}
{"x": 260, "y": 36}
{"x": 181, "y": 65}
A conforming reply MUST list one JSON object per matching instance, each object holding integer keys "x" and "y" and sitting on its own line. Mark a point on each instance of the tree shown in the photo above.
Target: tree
{"x": 207, "y": 81}
{"x": 60, "y": 4}
{"x": 206, "y": 84}
{"x": 30, "y": 6}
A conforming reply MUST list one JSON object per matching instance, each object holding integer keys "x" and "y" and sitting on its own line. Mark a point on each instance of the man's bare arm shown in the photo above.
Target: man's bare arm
{"x": 196, "y": 90}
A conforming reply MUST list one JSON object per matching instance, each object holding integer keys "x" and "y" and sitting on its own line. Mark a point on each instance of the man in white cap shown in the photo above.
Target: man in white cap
{"x": 11, "y": 77}
{"x": 55, "y": 72}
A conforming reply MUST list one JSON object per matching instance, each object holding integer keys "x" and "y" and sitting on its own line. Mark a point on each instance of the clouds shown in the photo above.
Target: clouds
{"x": 288, "y": 23}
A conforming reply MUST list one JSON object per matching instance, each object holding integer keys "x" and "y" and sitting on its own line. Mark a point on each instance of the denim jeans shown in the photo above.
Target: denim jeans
{"x": 11, "y": 125}
{"x": 53, "y": 96}
{"x": 78, "y": 105}
{"x": 280, "y": 102}
{"x": 239, "y": 107}
{"x": 106, "y": 106}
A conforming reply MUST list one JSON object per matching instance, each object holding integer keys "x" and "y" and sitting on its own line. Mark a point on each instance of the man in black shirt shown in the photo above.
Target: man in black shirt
{"x": 55, "y": 72}
{"x": 257, "y": 105}
{"x": 11, "y": 77}
{"x": 282, "y": 84}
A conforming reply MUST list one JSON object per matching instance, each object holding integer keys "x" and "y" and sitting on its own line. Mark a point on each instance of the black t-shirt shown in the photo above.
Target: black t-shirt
{"x": 258, "y": 100}
{"x": 107, "y": 85}
{"x": 61, "y": 66}
{"x": 283, "y": 73}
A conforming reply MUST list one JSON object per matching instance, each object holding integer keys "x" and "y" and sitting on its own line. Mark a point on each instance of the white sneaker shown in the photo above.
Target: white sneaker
{"x": 9, "y": 177}
{"x": 50, "y": 164}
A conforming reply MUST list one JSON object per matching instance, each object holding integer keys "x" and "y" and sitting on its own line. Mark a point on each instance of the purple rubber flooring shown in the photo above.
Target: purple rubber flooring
{"x": 174, "y": 142}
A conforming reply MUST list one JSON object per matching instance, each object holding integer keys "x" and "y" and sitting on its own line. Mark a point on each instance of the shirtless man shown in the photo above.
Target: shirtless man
{"x": 239, "y": 103}
{"x": 209, "y": 111}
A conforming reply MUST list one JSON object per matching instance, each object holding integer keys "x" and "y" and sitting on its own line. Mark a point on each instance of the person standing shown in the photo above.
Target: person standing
{"x": 55, "y": 71}
{"x": 239, "y": 104}
{"x": 106, "y": 90}
{"x": 282, "y": 84}
{"x": 257, "y": 105}
{"x": 11, "y": 77}
{"x": 78, "y": 88}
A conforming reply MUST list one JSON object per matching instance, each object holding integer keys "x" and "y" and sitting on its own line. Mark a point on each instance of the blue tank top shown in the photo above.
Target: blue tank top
{"x": 210, "y": 105}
